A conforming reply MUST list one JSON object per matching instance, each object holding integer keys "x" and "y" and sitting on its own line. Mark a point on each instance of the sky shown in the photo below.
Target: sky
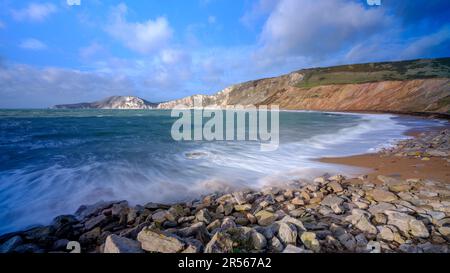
{"x": 68, "y": 51}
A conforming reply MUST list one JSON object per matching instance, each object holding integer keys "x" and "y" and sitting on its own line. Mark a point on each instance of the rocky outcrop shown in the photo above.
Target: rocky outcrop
{"x": 115, "y": 102}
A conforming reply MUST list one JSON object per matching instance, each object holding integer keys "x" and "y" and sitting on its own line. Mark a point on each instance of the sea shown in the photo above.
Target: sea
{"x": 53, "y": 161}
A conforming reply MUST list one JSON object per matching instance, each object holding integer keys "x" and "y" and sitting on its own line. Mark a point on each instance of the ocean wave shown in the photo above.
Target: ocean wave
{"x": 142, "y": 164}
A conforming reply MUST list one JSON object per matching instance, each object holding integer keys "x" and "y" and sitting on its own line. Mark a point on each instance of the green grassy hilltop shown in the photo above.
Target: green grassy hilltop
{"x": 376, "y": 72}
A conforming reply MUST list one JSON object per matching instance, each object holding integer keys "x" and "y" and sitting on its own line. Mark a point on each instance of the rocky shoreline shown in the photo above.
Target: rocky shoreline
{"x": 327, "y": 215}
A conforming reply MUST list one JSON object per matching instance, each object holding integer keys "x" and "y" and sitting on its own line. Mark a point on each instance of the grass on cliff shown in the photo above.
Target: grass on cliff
{"x": 376, "y": 72}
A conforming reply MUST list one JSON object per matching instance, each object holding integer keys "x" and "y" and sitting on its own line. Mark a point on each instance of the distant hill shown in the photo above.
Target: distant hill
{"x": 406, "y": 87}
{"x": 115, "y": 102}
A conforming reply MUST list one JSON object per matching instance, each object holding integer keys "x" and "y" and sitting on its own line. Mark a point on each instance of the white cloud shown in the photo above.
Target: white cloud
{"x": 35, "y": 12}
{"x": 32, "y": 44}
{"x": 91, "y": 50}
{"x": 317, "y": 29}
{"x": 258, "y": 10}
{"x": 145, "y": 37}
{"x": 28, "y": 86}
{"x": 427, "y": 43}
{"x": 74, "y": 2}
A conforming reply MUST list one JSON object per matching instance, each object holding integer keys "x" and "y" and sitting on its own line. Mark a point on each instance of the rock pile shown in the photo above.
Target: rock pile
{"x": 330, "y": 214}
{"x": 426, "y": 145}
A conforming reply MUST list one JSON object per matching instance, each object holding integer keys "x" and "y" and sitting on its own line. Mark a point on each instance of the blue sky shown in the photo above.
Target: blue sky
{"x": 54, "y": 52}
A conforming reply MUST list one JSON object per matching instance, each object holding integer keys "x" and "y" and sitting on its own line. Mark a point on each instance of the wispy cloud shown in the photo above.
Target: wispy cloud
{"x": 32, "y": 44}
{"x": 35, "y": 12}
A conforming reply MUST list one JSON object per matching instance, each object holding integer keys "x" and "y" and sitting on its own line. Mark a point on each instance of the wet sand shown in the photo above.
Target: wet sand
{"x": 401, "y": 167}
{"x": 434, "y": 168}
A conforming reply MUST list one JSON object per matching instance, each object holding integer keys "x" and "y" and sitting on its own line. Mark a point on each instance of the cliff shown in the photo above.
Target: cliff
{"x": 416, "y": 86}
{"x": 408, "y": 86}
{"x": 115, "y": 102}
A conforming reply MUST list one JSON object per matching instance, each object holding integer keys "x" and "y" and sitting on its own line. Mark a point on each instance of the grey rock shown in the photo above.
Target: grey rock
{"x": 407, "y": 224}
{"x": 95, "y": 221}
{"x": 332, "y": 200}
{"x": 310, "y": 241}
{"x": 117, "y": 244}
{"x": 28, "y": 248}
{"x": 381, "y": 208}
{"x": 203, "y": 216}
{"x": 348, "y": 241}
{"x": 11, "y": 244}
{"x": 294, "y": 249}
{"x": 287, "y": 233}
{"x": 295, "y": 222}
{"x": 276, "y": 245}
{"x": 374, "y": 247}
{"x": 157, "y": 241}
{"x": 265, "y": 217}
{"x": 197, "y": 230}
{"x": 220, "y": 243}
{"x": 228, "y": 223}
{"x": 88, "y": 211}
{"x": 258, "y": 240}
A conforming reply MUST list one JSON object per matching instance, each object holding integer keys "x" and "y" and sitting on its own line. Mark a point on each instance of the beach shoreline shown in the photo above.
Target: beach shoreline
{"x": 390, "y": 163}
{"x": 402, "y": 205}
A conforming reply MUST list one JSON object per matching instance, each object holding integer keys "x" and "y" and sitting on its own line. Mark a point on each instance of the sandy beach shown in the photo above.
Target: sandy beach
{"x": 403, "y": 167}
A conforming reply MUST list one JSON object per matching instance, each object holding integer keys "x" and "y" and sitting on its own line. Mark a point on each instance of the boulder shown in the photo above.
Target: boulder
{"x": 297, "y": 223}
{"x": 88, "y": 211}
{"x": 203, "y": 216}
{"x": 63, "y": 225}
{"x": 294, "y": 249}
{"x": 11, "y": 244}
{"x": 380, "y": 208}
{"x": 359, "y": 218}
{"x": 310, "y": 241}
{"x": 157, "y": 241}
{"x": 287, "y": 233}
{"x": 239, "y": 198}
{"x": 332, "y": 200}
{"x": 259, "y": 241}
{"x": 335, "y": 186}
{"x": 374, "y": 247}
{"x": 381, "y": 195}
{"x": 265, "y": 217}
{"x": 198, "y": 231}
{"x": 95, "y": 222}
{"x": 348, "y": 241}
{"x": 385, "y": 233}
{"x": 298, "y": 201}
{"x": 90, "y": 237}
{"x": 228, "y": 223}
{"x": 159, "y": 216}
{"x": 220, "y": 243}
{"x": 117, "y": 244}
{"x": 215, "y": 224}
{"x": 243, "y": 207}
{"x": 407, "y": 224}
{"x": 276, "y": 245}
